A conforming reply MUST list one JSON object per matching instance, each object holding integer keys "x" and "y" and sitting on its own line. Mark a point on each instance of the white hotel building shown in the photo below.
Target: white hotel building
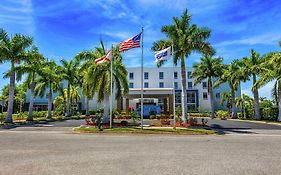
{"x": 158, "y": 90}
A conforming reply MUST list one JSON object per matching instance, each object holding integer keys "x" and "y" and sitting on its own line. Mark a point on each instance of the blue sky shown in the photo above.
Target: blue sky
{"x": 63, "y": 28}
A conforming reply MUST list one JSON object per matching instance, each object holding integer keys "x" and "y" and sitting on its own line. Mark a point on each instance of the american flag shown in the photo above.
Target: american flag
{"x": 106, "y": 58}
{"x": 130, "y": 43}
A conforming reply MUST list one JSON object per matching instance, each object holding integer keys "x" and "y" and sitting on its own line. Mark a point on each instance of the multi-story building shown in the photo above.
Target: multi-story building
{"x": 158, "y": 86}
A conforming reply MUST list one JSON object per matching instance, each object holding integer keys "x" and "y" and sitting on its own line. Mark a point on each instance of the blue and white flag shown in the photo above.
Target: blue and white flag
{"x": 162, "y": 55}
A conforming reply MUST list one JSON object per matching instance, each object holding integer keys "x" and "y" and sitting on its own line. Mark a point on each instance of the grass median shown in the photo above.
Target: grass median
{"x": 178, "y": 131}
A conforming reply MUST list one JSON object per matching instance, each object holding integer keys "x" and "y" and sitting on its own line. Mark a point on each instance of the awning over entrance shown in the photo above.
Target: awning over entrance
{"x": 149, "y": 93}
{"x": 160, "y": 93}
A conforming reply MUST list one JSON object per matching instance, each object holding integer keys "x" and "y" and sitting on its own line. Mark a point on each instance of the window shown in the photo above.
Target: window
{"x": 146, "y": 75}
{"x": 204, "y": 84}
{"x": 146, "y": 85}
{"x": 176, "y": 85}
{"x": 131, "y": 76}
{"x": 189, "y": 75}
{"x": 218, "y": 95}
{"x": 161, "y": 85}
{"x": 131, "y": 85}
{"x": 175, "y": 75}
{"x": 205, "y": 95}
{"x": 161, "y": 75}
{"x": 189, "y": 85}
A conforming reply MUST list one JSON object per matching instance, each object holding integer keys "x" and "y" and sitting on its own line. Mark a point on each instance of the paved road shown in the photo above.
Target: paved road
{"x": 61, "y": 152}
{"x": 243, "y": 127}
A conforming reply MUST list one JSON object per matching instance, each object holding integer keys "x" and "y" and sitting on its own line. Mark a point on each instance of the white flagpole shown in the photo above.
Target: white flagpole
{"x": 174, "y": 91}
{"x": 111, "y": 87}
{"x": 142, "y": 79}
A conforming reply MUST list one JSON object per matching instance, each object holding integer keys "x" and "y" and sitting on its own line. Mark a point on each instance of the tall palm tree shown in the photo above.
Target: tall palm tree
{"x": 246, "y": 103}
{"x": 87, "y": 59}
{"x": 186, "y": 39}
{"x": 272, "y": 72}
{"x": 208, "y": 68}
{"x": 69, "y": 73}
{"x": 99, "y": 77}
{"x": 49, "y": 78}
{"x": 31, "y": 67}
{"x": 226, "y": 100}
{"x": 232, "y": 74}
{"x": 12, "y": 49}
{"x": 252, "y": 67}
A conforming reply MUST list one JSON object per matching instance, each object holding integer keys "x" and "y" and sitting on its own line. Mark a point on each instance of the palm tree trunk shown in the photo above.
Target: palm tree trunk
{"x": 50, "y": 103}
{"x": 279, "y": 100}
{"x": 256, "y": 100}
{"x": 244, "y": 108}
{"x": 106, "y": 109}
{"x": 9, "y": 117}
{"x": 87, "y": 106}
{"x": 210, "y": 86}
{"x": 233, "y": 107}
{"x": 30, "y": 109}
{"x": 183, "y": 92}
{"x": 68, "y": 101}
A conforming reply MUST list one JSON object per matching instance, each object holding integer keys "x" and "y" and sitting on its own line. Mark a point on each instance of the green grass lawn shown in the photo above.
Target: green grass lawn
{"x": 179, "y": 131}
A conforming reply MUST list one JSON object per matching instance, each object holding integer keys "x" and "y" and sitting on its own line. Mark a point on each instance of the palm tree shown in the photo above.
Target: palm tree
{"x": 13, "y": 50}
{"x": 208, "y": 68}
{"x": 252, "y": 67}
{"x": 272, "y": 72}
{"x": 49, "y": 78}
{"x": 69, "y": 73}
{"x": 245, "y": 102}
{"x": 31, "y": 67}
{"x": 99, "y": 77}
{"x": 226, "y": 99}
{"x": 87, "y": 58}
{"x": 186, "y": 39}
{"x": 232, "y": 74}
{"x": 74, "y": 96}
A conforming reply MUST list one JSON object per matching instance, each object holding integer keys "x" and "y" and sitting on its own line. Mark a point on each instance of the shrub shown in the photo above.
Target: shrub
{"x": 2, "y": 117}
{"x": 39, "y": 114}
{"x": 155, "y": 123}
{"x": 222, "y": 114}
{"x": 135, "y": 117}
{"x": 92, "y": 112}
{"x": 153, "y": 117}
{"x": 192, "y": 121}
{"x": 240, "y": 115}
{"x": 178, "y": 111}
{"x": 83, "y": 112}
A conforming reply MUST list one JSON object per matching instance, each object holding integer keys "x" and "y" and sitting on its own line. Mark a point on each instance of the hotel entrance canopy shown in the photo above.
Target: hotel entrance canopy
{"x": 149, "y": 93}
{"x": 161, "y": 93}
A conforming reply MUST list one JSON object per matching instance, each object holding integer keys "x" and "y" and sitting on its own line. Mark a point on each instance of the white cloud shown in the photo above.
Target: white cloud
{"x": 19, "y": 14}
{"x": 265, "y": 39}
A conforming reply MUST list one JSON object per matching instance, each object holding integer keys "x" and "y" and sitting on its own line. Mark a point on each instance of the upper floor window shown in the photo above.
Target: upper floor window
{"x": 146, "y": 75}
{"x": 161, "y": 85}
{"x": 131, "y": 85}
{"x": 205, "y": 95}
{"x": 175, "y": 75}
{"x": 204, "y": 84}
{"x": 176, "y": 85}
{"x": 189, "y": 85}
{"x": 189, "y": 75}
{"x": 161, "y": 75}
{"x": 131, "y": 75}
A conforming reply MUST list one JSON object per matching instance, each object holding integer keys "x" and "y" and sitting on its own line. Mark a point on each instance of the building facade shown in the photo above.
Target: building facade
{"x": 158, "y": 86}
